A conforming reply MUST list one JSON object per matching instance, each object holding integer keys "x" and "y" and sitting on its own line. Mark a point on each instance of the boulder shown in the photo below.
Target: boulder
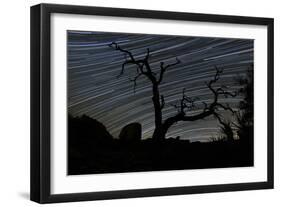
{"x": 131, "y": 132}
{"x": 84, "y": 130}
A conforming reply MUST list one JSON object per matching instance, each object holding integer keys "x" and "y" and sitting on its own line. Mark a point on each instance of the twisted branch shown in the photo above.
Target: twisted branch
{"x": 164, "y": 67}
{"x": 187, "y": 103}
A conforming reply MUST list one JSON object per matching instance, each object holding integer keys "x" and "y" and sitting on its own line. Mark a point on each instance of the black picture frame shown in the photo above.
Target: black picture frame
{"x": 40, "y": 184}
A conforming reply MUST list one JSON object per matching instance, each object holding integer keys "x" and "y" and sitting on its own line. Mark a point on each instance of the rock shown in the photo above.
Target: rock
{"x": 131, "y": 132}
{"x": 84, "y": 129}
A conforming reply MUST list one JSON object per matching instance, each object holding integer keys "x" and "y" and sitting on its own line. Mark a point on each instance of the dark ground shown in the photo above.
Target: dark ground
{"x": 90, "y": 153}
{"x": 150, "y": 156}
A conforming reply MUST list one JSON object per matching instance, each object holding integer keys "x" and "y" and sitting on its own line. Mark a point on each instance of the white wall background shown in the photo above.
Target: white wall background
{"x": 14, "y": 102}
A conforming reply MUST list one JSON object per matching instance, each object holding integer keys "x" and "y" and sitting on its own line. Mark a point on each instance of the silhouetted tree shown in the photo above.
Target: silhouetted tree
{"x": 245, "y": 114}
{"x": 226, "y": 129}
{"x": 186, "y": 103}
{"x": 243, "y": 124}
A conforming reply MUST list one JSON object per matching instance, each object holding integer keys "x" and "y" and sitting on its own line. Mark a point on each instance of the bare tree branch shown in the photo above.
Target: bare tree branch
{"x": 143, "y": 66}
{"x": 209, "y": 109}
{"x": 164, "y": 67}
{"x": 226, "y": 107}
{"x": 127, "y": 62}
{"x": 185, "y": 104}
{"x": 117, "y": 47}
{"x": 135, "y": 80}
{"x": 218, "y": 117}
{"x": 147, "y": 54}
{"x": 162, "y": 102}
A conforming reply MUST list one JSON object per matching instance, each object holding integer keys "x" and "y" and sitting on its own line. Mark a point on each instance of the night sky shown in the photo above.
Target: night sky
{"x": 95, "y": 90}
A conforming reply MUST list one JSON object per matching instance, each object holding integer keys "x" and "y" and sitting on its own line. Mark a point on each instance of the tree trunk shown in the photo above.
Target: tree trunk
{"x": 158, "y": 133}
{"x": 161, "y": 128}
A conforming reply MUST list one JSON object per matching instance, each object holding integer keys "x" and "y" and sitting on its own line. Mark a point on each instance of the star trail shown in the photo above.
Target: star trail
{"x": 95, "y": 90}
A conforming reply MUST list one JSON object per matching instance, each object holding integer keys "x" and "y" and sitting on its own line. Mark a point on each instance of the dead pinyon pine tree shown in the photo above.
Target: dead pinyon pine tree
{"x": 184, "y": 105}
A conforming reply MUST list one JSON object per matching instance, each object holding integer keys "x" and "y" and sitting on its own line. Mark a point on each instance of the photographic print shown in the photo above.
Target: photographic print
{"x": 145, "y": 102}
{"x": 132, "y": 103}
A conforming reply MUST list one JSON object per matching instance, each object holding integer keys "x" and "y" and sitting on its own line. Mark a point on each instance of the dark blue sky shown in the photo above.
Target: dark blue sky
{"x": 95, "y": 90}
